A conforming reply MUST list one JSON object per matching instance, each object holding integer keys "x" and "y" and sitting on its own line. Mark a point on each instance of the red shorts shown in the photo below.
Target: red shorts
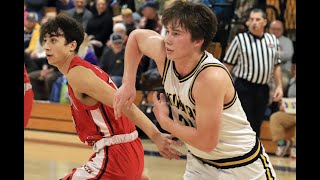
{"x": 116, "y": 162}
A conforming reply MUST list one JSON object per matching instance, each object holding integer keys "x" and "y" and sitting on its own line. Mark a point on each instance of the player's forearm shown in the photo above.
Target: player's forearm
{"x": 190, "y": 135}
{"x": 138, "y": 118}
{"x": 132, "y": 59}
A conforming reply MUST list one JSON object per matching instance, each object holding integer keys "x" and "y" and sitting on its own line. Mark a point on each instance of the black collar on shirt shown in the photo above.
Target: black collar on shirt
{"x": 255, "y": 36}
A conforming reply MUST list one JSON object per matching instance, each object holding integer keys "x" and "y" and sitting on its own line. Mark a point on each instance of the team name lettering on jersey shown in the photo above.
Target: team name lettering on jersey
{"x": 175, "y": 101}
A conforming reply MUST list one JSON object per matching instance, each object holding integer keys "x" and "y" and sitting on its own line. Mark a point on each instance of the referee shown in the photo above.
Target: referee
{"x": 253, "y": 57}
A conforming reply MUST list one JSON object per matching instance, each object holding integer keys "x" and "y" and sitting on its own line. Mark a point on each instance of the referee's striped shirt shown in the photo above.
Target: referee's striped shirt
{"x": 253, "y": 57}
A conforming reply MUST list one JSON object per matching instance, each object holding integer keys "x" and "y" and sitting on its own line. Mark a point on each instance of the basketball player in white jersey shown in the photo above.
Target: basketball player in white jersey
{"x": 207, "y": 114}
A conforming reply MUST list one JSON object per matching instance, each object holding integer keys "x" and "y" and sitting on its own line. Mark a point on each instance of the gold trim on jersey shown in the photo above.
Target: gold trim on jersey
{"x": 225, "y": 106}
{"x": 203, "y": 57}
{"x": 266, "y": 166}
{"x": 248, "y": 158}
{"x": 165, "y": 70}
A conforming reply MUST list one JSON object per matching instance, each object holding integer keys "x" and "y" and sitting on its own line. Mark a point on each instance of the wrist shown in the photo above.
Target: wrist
{"x": 128, "y": 81}
{"x": 166, "y": 123}
{"x": 155, "y": 135}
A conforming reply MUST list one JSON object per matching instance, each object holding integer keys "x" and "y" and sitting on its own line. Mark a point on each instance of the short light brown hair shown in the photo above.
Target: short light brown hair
{"x": 126, "y": 11}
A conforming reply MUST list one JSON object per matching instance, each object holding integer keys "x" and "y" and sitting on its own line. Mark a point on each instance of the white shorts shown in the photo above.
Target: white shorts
{"x": 256, "y": 166}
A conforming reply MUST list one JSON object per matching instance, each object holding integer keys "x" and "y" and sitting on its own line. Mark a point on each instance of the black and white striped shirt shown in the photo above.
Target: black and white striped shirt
{"x": 253, "y": 57}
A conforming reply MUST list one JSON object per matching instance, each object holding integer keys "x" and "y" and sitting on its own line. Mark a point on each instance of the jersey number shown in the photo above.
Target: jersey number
{"x": 185, "y": 121}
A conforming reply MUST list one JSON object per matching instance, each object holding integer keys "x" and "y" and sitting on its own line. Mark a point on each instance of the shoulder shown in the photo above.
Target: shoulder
{"x": 285, "y": 39}
{"x": 213, "y": 74}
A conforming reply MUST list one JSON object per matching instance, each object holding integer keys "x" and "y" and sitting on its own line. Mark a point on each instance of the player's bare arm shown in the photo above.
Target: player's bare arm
{"x": 84, "y": 81}
{"x": 209, "y": 92}
{"x": 141, "y": 42}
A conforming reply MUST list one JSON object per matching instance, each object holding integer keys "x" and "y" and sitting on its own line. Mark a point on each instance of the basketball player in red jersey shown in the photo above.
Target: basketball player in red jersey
{"x": 28, "y": 98}
{"x": 118, "y": 152}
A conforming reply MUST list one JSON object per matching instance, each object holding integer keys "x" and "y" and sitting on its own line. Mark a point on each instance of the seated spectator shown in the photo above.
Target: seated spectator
{"x": 280, "y": 121}
{"x": 150, "y": 19}
{"x": 63, "y": 5}
{"x": 31, "y": 32}
{"x": 112, "y": 58}
{"x": 42, "y": 80}
{"x": 100, "y": 25}
{"x": 128, "y": 20}
{"x": 36, "y": 6}
{"x": 121, "y": 29}
{"x": 286, "y": 51}
{"x": 80, "y": 12}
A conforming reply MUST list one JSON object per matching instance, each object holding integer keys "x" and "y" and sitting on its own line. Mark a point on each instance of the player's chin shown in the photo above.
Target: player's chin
{"x": 170, "y": 56}
{"x": 51, "y": 61}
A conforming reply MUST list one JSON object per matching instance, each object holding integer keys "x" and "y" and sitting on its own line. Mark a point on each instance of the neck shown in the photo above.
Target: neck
{"x": 185, "y": 65}
{"x": 63, "y": 68}
{"x": 79, "y": 10}
{"x": 257, "y": 33}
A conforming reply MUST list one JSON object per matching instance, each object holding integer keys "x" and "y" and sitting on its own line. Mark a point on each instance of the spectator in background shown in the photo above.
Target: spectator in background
{"x": 281, "y": 121}
{"x": 286, "y": 51}
{"x": 63, "y": 5}
{"x": 112, "y": 58}
{"x": 253, "y": 57}
{"x": 150, "y": 19}
{"x": 36, "y": 6}
{"x": 80, "y": 12}
{"x": 121, "y": 29}
{"x": 31, "y": 32}
{"x": 127, "y": 17}
{"x": 100, "y": 26}
{"x": 42, "y": 80}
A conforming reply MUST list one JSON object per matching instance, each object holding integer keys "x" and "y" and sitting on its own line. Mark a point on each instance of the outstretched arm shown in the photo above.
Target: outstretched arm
{"x": 83, "y": 80}
{"x": 141, "y": 42}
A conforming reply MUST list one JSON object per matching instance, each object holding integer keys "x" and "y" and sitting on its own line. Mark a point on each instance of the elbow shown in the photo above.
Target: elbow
{"x": 208, "y": 146}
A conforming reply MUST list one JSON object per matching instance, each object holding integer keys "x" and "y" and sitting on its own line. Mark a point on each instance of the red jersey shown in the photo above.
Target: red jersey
{"x": 26, "y": 77}
{"x": 96, "y": 120}
{"x": 28, "y": 97}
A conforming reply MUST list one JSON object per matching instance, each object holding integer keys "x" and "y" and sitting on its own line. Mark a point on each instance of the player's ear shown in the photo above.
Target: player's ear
{"x": 199, "y": 42}
{"x": 73, "y": 46}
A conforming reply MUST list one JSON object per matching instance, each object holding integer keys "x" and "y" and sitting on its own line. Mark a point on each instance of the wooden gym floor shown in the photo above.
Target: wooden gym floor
{"x": 50, "y": 156}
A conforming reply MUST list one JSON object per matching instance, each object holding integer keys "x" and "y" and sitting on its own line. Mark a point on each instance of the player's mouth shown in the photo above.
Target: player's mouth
{"x": 169, "y": 50}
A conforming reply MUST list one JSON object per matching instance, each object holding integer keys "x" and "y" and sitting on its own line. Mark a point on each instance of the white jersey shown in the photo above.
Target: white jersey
{"x": 236, "y": 136}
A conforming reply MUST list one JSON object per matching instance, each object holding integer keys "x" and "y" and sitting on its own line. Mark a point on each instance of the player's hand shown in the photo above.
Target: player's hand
{"x": 123, "y": 98}
{"x": 160, "y": 109}
{"x": 164, "y": 143}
